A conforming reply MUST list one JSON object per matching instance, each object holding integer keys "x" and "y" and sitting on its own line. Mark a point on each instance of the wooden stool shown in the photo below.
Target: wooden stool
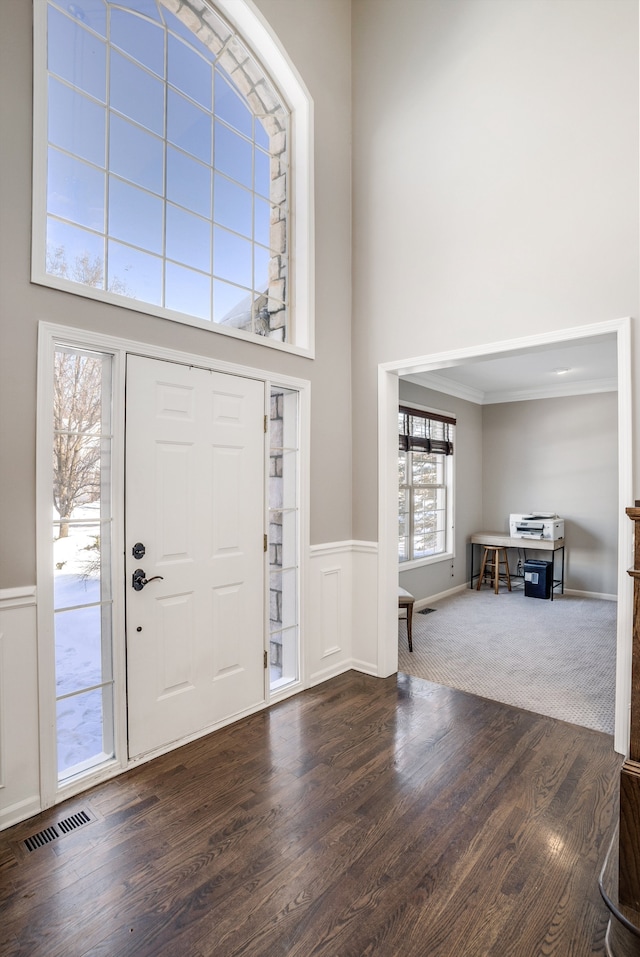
{"x": 492, "y": 560}
{"x": 406, "y": 600}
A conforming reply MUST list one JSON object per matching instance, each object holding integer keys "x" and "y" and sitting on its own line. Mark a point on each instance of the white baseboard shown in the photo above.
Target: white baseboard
{"x": 588, "y": 594}
{"x": 365, "y": 667}
{"x": 20, "y": 811}
{"x": 425, "y": 602}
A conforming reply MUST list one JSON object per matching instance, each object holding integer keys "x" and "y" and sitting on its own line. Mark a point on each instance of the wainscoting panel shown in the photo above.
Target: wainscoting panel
{"x": 19, "y": 738}
{"x": 341, "y": 630}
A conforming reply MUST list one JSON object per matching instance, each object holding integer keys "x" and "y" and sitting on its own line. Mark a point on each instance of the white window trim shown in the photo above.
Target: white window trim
{"x": 450, "y": 483}
{"x": 252, "y": 26}
{"x": 51, "y": 335}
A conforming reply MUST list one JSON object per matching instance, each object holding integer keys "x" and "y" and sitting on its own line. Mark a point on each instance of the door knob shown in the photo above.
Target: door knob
{"x": 138, "y": 580}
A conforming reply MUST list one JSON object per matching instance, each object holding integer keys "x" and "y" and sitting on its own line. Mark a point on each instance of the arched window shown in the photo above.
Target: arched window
{"x": 165, "y": 183}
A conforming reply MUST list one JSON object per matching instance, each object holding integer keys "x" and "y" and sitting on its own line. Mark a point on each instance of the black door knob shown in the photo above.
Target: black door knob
{"x": 138, "y": 580}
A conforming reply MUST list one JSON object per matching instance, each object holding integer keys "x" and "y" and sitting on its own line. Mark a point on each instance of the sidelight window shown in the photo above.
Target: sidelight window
{"x": 81, "y": 557}
{"x": 284, "y": 523}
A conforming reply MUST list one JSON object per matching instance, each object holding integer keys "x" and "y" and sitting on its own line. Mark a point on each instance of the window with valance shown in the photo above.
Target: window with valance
{"x": 425, "y": 484}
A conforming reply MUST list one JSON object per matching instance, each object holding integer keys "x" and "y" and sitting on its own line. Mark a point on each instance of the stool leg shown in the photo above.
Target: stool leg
{"x": 409, "y": 624}
{"x": 482, "y": 568}
{"x": 506, "y": 565}
{"x": 496, "y": 570}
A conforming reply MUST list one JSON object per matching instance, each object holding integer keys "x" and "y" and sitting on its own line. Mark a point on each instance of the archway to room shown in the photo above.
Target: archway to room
{"x": 449, "y": 368}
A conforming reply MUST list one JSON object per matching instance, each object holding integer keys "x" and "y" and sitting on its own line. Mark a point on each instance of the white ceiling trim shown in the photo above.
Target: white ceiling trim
{"x": 440, "y": 383}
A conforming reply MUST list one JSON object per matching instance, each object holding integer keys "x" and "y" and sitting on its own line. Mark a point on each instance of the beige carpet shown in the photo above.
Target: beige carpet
{"x": 553, "y": 657}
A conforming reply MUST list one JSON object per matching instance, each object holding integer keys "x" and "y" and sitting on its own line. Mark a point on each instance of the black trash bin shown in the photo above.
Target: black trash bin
{"x": 537, "y": 579}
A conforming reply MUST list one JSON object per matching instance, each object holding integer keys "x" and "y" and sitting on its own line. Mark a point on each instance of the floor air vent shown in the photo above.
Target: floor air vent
{"x": 55, "y": 831}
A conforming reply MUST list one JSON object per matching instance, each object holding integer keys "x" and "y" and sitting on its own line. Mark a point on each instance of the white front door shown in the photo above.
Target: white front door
{"x": 195, "y": 503}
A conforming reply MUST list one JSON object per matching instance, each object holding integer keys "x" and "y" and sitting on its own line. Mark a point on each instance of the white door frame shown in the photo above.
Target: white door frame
{"x": 388, "y": 374}
{"x": 51, "y": 335}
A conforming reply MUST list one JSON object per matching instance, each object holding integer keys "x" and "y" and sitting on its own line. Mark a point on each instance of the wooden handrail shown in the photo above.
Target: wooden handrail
{"x": 629, "y": 854}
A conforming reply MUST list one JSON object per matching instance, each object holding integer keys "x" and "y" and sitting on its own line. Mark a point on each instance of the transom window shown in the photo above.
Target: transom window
{"x": 425, "y": 484}
{"x": 167, "y": 184}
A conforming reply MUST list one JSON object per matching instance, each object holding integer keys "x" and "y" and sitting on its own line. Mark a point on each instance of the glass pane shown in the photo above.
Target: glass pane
{"x": 261, "y": 135}
{"x": 76, "y": 124}
{"x": 283, "y": 540}
{"x": 283, "y": 657}
{"x": 188, "y": 182}
{"x": 91, "y": 13}
{"x": 135, "y": 216}
{"x": 402, "y": 468}
{"x": 188, "y": 291}
{"x": 263, "y": 174}
{"x": 76, "y": 557}
{"x": 233, "y": 155}
{"x": 75, "y": 191}
{"x": 261, "y": 267}
{"x": 270, "y": 317}
{"x": 188, "y": 238}
{"x": 283, "y": 605}
{"x": 76, "y": 55}
{"x": 142, "y": 40}
{"x": 189, "y": 127}
{"x": 231, "y": 257}
{"x": 75, "y": 254}
{"x": 427, "y": 469}
{"x": 403, "y": 525}
{"x": 179, "y": 28}
{"x": 76, "y": 464}
{"x": 137, "y": 94}
{"x": 148, "y": 7}
{"x": 136, "y": 155}
{"x": 84, "y": 731}
{"x": 282, "y": 488}
{"x": 232, "y": 205}
{"x": 231, "y": 305}
{"x": 230, "y": 106}
{"x": 429, "y": 518}
{"x": 189, "y": 72}
{"x": 262, "y": 221}
{"x": 134, "y": 274}
{"x": 79, "y": 659}
{"x": 283, "y": 432}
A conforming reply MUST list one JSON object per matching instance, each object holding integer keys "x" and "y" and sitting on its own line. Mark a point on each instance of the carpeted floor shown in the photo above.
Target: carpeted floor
{"x": 556, "y": 658}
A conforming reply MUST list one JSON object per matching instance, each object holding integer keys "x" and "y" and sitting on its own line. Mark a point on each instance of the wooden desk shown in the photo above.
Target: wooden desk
{"x": 525, "y": 544}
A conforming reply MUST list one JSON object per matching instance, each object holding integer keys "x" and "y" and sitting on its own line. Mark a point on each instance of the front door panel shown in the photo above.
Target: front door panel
{"x": 195, "y": 500}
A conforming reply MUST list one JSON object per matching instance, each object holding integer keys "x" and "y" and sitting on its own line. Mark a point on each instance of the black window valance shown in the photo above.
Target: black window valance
{"x": 425, "y": 431}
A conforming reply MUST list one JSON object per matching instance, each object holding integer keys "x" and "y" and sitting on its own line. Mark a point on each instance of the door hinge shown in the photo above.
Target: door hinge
{"x": 265, "y": 545}
{"x": 265, "y": 660}
{"x": 266, "y": 424}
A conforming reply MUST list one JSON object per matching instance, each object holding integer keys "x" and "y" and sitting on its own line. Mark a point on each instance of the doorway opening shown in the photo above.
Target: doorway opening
{"x": 389, "y": 375}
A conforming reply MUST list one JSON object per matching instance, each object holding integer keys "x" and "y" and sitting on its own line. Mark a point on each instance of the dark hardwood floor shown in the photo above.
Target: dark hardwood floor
{"x": 362, "y": 817}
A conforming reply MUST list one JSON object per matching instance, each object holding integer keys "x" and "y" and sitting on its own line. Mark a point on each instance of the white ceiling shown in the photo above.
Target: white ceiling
{"x": 530, "y": 373}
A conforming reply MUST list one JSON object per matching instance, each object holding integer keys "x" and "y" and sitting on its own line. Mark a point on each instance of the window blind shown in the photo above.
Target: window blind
{"x": 425, "y": 431}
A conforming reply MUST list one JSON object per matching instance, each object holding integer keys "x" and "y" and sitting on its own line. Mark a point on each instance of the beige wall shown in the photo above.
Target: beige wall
{"x": 558, "y": 455}
{"x": 308, "y": 30}
{"x": 495, "y": 181}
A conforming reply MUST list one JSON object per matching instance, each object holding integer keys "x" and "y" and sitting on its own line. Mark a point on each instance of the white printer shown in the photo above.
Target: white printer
{"x": 536, "y": 525}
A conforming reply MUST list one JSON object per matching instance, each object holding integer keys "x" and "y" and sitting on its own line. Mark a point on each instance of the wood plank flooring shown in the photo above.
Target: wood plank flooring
{"x": 362, "y": 817}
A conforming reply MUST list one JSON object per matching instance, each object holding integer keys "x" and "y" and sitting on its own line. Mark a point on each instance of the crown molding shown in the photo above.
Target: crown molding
{"x": 440, "y": 383}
